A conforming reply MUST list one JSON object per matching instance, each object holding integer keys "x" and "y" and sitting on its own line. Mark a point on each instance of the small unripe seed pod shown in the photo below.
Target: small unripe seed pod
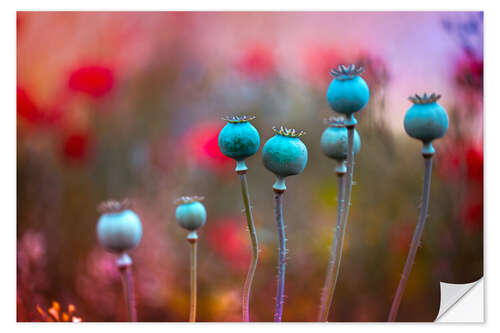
{"x": 348, "y": 92}
{"x": 426, "y": 120}
{"x": 334, "y": 140}
{"x": 119, "y": 229}
{"x": 239, "y": 140}
{"x": 190, "y": 213}
{"x": 284, "y": 154}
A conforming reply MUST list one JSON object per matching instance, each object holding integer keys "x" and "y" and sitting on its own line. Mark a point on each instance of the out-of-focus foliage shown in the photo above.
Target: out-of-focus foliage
{"x": 114, "y": 105}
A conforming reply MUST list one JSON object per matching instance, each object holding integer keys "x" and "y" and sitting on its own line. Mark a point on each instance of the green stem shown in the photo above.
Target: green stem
{"x": 193, "y": 240}
{"x": 335, "y": 255}
{"x": 255, "y": 248}
{"x": 280, "y": 288}
{"x": 415, "y": 242}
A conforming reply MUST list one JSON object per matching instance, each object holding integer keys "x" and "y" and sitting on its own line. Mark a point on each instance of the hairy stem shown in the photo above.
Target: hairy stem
{"x": 192, "y": 304}
{"x": 342, "y": 219}
{"x": 415, "y": 242}
{"x": 280, "y": 288}
{"x": 255, "y": 248}
{"x": 335, "y": 256}
{"x": 128, "y": 290}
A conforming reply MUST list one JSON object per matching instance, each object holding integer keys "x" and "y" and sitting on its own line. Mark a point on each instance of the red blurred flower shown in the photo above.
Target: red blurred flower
{"x": 257, "y": 62}
{"x": 27, "y": 109}
{"x": 468, "y": 158}
{"x": 469, "y": 72}
{"x": 228, "y": 239}
{"x": 94, "y": 80}
{"x": 474, "y": 160}
{"x": 319, "y": 61}
{"x": 203, "y": 147}
{"x": 76, "y": 147}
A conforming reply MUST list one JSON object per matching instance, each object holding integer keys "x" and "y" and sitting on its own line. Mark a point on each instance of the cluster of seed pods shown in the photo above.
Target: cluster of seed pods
{"x": 119, "y": 229}
{"x": 283, "y": 154}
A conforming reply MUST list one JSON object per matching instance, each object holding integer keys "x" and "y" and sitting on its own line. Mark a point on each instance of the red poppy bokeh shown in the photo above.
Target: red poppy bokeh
{"x": 30, "y": 111}
{"x": 76, "y": 147}
{"x": 319, "y": 60}
{"x": 474, "y": 162}
{"x": 203, "y": 147}
{"x": 93, "y": 80}
{"x": 257, "y": 62}
{"x": 228, "y": 239}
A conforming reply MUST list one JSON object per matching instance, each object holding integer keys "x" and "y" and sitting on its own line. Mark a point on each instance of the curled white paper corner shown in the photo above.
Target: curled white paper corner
{"x": 461, "y": 302}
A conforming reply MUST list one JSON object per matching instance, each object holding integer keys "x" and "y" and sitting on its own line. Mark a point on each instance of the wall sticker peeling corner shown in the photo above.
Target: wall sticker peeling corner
{"x": 462, "y": 302}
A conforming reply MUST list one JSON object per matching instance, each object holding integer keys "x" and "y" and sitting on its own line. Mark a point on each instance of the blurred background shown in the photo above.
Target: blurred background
{"x": 115, "y": 105}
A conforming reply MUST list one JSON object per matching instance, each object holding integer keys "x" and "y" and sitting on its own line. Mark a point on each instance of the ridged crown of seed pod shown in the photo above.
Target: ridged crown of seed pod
{"x": 426, "y": 120}
{"x": 190, "y": 212}
{"x": 285, "y": 154}
{"x": 119, "y": 229}
{"x": 334, "y": 139}
{"x": 239, "y": 139}
{"x": 348, "y": 92}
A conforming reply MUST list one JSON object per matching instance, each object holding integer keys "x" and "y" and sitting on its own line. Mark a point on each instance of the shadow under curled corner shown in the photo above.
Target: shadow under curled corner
{"x": 461, "y": 302}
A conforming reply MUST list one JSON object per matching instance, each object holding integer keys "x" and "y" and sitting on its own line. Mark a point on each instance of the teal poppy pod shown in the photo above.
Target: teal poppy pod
{"x": 334, "y": 140}
{"x": 426, "y": 120}
{"x": 239, "y": 140}
{"x": 119, "y": 229}
{"x": 348, "y": 92}
{"x": 284, "y": 155}
{"x": 190, "y": 212}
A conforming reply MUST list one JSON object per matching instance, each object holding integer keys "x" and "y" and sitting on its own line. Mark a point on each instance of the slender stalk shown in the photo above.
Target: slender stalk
{"x": 415, "y": 242}
{"x": 350, "y": 168}
{"x": 280, "y": 288}
{"x": 335, "y": 254}
{"x": 255, "y": 247}
{"x": 124, "y": 264}
{"x": 342, "y": 219}
{"x": 192, "y": 305}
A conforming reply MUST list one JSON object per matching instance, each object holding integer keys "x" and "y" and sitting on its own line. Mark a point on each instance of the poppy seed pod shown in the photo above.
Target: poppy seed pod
{"x": 334, "y": 140}
{"x": 284, "y": 155}
{"x": 348, "y": 92}
{"x": 119, "y": 229}
{"x": 239, "y": 140}
{"x": 426, "y": 120}
{"x": 190, "y": 212}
